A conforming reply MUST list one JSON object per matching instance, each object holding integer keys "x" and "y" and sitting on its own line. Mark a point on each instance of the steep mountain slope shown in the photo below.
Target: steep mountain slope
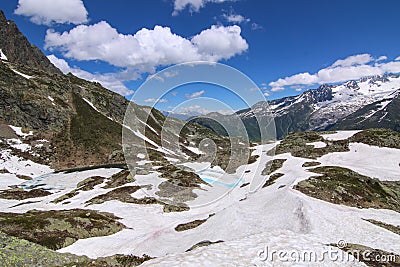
{"x": 17, "y": 49}
{"x": 383, "y": 113}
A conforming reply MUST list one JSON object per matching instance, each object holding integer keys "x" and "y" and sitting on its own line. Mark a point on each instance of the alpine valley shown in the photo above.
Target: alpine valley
{"x": 73, "y": 194}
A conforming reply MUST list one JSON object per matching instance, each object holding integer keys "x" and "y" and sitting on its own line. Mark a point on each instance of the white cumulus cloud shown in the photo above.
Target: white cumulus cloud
{"x": 147, "y": 48}
{"x": 235, "y": 18}
{"x": 195, "y": 94}
{"x": 220, "y": 42}
{"x": 47, "y": 12}
{"x": 382, "y": 58}
{"x": 153, "y": 100}
{"x": 350, "y": 68}
{"x": 193, "y": 5}
{"x": 353, "y": 60}
{"x": 197, "y": 109}
{"x": 110, "y": 80}
{"x": 301, "y": 78}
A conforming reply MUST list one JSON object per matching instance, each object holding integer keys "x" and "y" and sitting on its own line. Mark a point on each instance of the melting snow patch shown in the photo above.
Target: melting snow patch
{"x": 171, "y": 159}
{"x": 143, "y": 162}
{"x": 17, "y": 165}
{"x": 372, "y": 161}
{"x": 317, "y": 144}
{"x": 194, "y": 150}
{"x": 342, "y": 135}
{"x": 66, "y": 181}
{"x": 18, "y": 131}
{"x": 90, "y": 104}
{"x": 8, "y": 179}
{"x": 52, "y": 100}
{"x": 21, "y": 74}
{"x": 17, "y": 144}
{"x": 2, "y": 56}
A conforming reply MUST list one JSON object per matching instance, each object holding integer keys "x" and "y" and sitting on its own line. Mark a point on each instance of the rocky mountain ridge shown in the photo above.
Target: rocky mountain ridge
{"x": 370, "y": 102}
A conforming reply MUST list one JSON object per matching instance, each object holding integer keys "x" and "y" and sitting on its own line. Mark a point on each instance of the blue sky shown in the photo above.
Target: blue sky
{"x": 284, "y": 46}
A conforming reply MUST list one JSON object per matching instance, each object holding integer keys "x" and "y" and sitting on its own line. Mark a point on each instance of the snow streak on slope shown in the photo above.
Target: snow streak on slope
{"x": 21, "y": 74}
{"x": 20, "y": 166}
{"x": 2, "y": 56}
{"x": 18, "y": 131}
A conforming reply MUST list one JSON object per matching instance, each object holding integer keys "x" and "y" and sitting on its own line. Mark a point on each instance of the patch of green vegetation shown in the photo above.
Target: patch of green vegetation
{"x": 203, "y": 244}
{"x": 273, "y": 179}
{"x": 89, "y": 138}
{"x": 21, "y": 194}
{"x": 190, "y": 225}
{"x": 343, "y": 186}
{"x": 94, "y": 167}
{"x": 372, "y": 257}
{"x": 378, "y": 137}
{"x": 131, "y": 260}
{"x": 24, "y": 203}
{"x": 179, "y": 194}
{"x": 252, "y": 159}
{"x": 272, "y": 166}
{"x": 58, "y": 229}
{"x": 392, "y": 228}
{"x": 19, "y": 252}
{"x": 92, "y": 129}
{"x": 175, "y": 208}
{"x": 66, "y": 196}
{"x": 311, "y": 164}
{"x": 122, "y": 194}
{"x": 24, "y": 177}
{"x": 180, "y": 177}
{"x": 211, "y": 124}
{"x": 89, "y": 183}
{"x": 297, "y": 145}
{"x": 119, "y": 179}
{"x": 155, "y": 155}
{"x": 4, "y": 170}
{"x": 244, "y": 185}
{"x": 86, "y": 185}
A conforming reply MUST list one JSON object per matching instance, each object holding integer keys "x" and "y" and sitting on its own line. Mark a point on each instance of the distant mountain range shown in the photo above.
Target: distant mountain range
{"x": 181, "y": 115}
{"x": 370, "y": 102}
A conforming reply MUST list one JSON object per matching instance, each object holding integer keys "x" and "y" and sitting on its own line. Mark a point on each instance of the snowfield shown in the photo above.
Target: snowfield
{"x": 382, "y": 163}
{"x": 244, "y": 221}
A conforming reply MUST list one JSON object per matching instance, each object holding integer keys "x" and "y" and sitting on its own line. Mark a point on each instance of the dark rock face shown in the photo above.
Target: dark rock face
{"x": 374, "y": 116}
{"x": 25, "y": 103}
{"x": 18, "y": 49}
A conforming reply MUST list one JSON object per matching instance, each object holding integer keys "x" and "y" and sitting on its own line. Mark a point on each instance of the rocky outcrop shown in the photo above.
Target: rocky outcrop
{"x": 18, "y": 49}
